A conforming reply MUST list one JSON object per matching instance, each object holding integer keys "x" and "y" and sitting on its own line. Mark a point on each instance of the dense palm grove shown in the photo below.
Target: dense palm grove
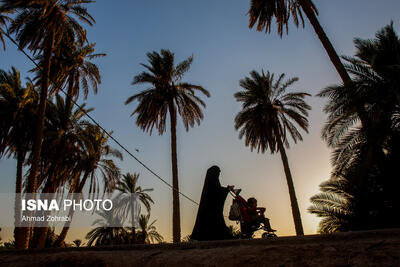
{"x": 58, "y": 150}
{"x": 363, "y": 131}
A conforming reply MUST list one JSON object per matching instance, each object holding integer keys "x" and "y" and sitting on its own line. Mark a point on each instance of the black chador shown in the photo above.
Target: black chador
{"x": 210, "y": 223}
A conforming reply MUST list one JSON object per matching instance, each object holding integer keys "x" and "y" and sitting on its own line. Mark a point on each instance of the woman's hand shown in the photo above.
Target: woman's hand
{"x": 230, "y": 187}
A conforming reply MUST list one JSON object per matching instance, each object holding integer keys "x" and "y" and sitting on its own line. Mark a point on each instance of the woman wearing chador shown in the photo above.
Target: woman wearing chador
{"x": 210, "y": 223}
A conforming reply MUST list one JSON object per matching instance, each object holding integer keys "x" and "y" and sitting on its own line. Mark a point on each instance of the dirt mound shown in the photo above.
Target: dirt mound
{"x": 369, "y": 248}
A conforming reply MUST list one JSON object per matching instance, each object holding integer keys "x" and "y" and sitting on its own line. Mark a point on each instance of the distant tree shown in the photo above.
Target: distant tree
{"x": 187, "y": 238}
{"x": 77, "y": 242}
{"x": 8, "y": 245}
{"x": 148, "y": 232}
{"x": 267, "y": 116}
{"x": 127, "y": 188}
{"x": 168, "y": 95}
{"x": 105, "y": 235}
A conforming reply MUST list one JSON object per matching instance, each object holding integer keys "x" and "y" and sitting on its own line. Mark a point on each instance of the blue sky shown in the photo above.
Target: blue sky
{"x": 225, "y": 50}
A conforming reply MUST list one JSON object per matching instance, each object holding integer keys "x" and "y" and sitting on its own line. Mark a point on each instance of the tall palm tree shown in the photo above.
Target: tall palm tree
{"x": 148, "y": 232}
{"x": 267, "y": 115}
{"x": 168, "y": 94}
{"x": 129, "y": 192}
{"x": 40, "y": 26}
{"x": 17, "y": 110}
{"x": 262, "y": 12}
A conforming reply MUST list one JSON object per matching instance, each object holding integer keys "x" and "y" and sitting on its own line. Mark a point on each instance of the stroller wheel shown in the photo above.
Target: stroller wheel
{"x": 268, "y": 235}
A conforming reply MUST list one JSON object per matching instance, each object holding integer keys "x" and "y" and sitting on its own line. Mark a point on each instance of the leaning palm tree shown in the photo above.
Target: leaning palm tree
{"x": 168, "y": 94}
{"x": 126, "y": 199}
{"x": 148, "y": 232}
{"x": 40, "y": 26}
{"x": 267, "y": 115}
{"x": 262, "y": 12}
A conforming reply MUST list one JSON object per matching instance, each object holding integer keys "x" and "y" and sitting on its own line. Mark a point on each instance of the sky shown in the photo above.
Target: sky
{"x": 225, "y": 50}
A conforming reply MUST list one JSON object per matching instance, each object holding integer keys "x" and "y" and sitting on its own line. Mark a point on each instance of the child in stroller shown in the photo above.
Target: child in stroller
{"x": 250, "y": 216}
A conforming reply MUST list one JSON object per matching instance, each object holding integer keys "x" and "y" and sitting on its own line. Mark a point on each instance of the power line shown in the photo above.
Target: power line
{"x": 98, "y": 124}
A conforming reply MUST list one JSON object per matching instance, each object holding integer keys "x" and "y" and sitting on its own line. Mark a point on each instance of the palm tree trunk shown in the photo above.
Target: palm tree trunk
{"x": 65, "y": 229}
{"x": 71, "y": 212}
{"x": 68, "y": 99}
{"x": 176, "y": 220}
{"x": 325, "y": 42}
{"x": 38, "y": 134}
{"x": 38, "y": 239}
{"x": 21, "y": 240}
{"x": 331, "y": 53}
{"x": 293, "y": 200}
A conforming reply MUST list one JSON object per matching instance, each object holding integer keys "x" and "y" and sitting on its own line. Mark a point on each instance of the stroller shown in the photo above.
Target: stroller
{"x": 248, "y": 225}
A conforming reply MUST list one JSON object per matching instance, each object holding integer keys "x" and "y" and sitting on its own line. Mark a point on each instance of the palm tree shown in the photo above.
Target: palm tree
{"x": 268, "y": 114}
{"x": 148, "y": 232}
{"x": 72, "y": 68}
{"x": 93, "y": 159}
{"x": 40, "y": 26}
{"x": 333, "y": 205}
{"x": 261, "y": 13}
{"x": 382, "y": 56}
{"x": 105, "y": 235}
{"x": 126, "y": 199}
{"x": 168, "y": 94}
{"x": 17, "y": 106}
{"x": 58, "y": 156}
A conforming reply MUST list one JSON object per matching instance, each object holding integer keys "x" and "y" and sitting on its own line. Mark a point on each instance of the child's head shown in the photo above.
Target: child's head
{"x": 252, "y": 202}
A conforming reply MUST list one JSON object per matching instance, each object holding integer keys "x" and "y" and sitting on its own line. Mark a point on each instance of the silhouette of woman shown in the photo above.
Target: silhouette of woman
{"x": 210, "y": 223}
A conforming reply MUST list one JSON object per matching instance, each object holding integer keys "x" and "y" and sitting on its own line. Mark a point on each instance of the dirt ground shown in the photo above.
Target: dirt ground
{"x": 370, "y": 248}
